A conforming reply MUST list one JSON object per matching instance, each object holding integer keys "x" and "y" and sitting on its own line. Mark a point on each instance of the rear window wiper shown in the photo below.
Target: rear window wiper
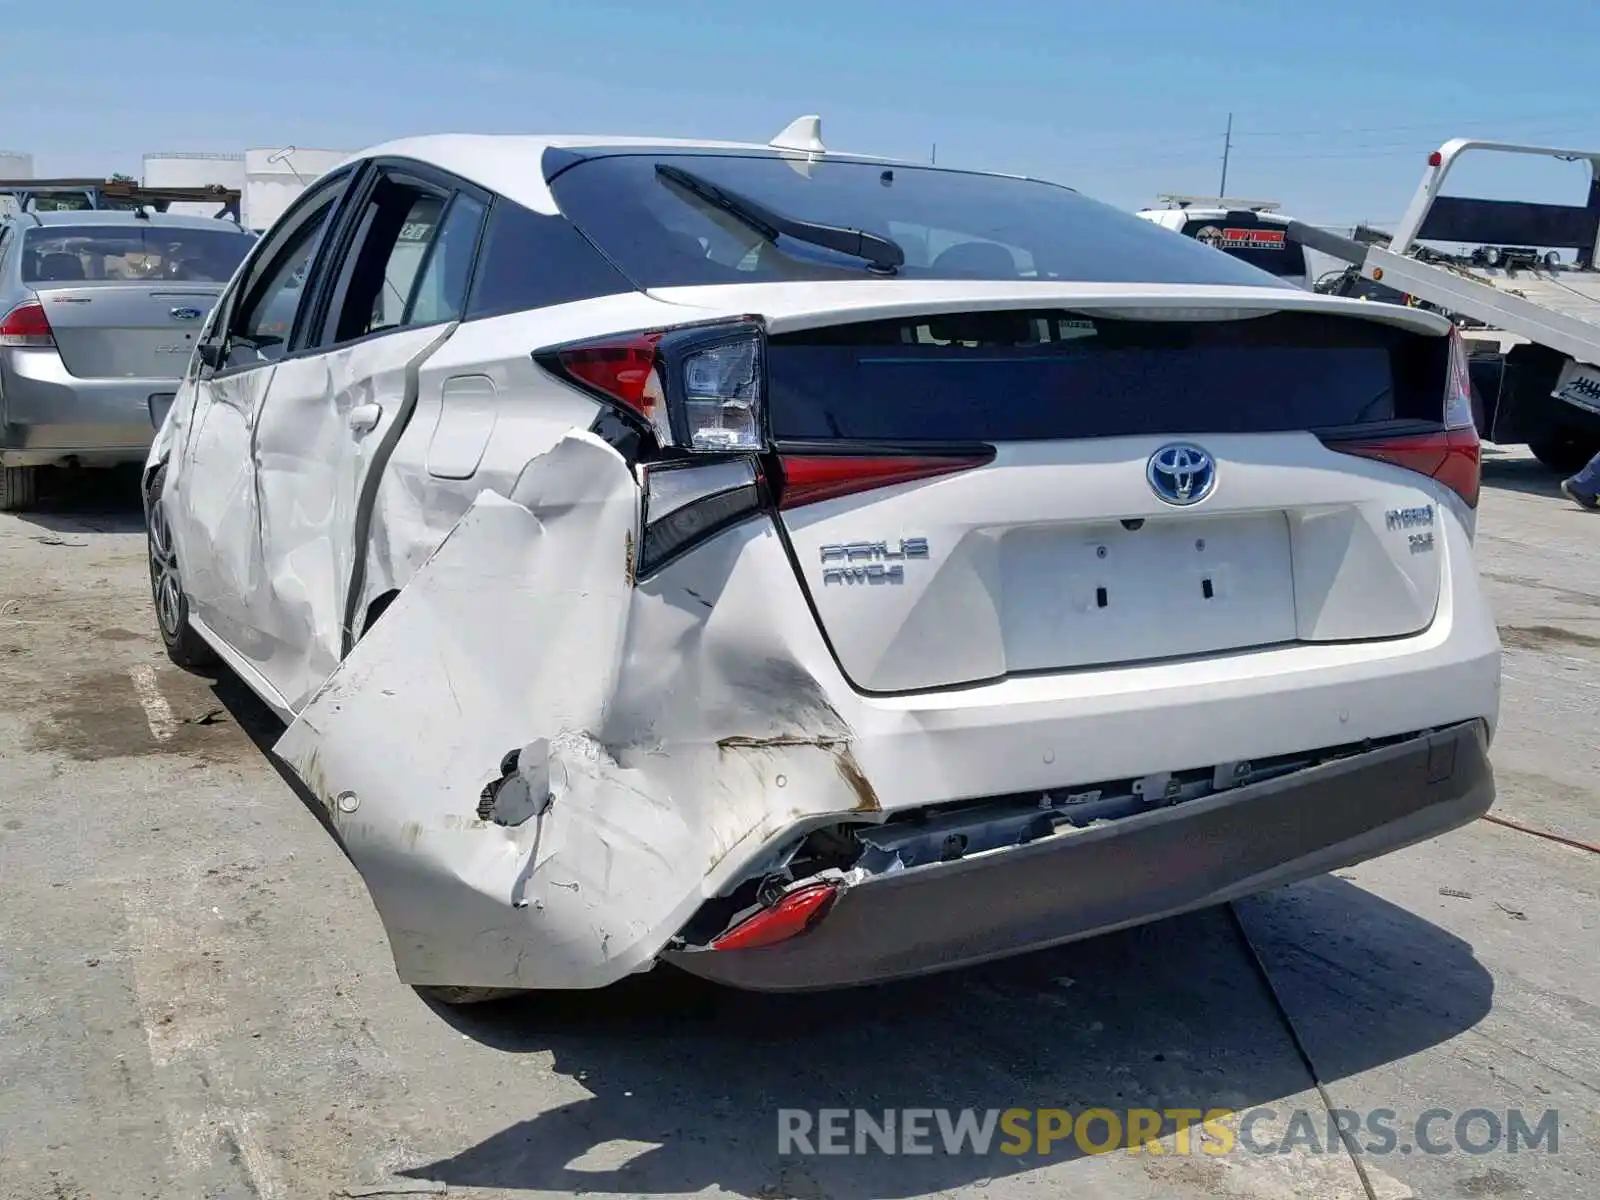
{"x": 881, "y": 253}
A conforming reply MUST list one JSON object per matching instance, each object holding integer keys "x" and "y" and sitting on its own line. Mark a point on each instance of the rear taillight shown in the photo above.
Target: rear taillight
{"x": 1452, "y": 455}
{"x": 808, "y": 479}
{"x": 789, "y": 917}
{"x": 27, "y": 325}
{"x": 697, "y": 387}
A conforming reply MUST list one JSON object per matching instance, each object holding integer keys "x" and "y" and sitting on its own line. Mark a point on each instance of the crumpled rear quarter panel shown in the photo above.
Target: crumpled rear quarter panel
{"x": 683, "y": 735}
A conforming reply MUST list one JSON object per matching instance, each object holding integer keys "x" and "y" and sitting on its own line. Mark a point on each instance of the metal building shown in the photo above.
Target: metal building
{"x": 274, "y": 177}
{"x": 14, "y": 165}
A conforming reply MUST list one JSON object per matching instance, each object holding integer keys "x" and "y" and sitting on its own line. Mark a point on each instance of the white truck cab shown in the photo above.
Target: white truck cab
{"x": 1250, "y": 230}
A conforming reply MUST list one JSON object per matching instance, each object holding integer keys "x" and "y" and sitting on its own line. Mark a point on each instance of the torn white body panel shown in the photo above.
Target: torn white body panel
{"x": 524, "y": 625}
{"x": 427, "y": 485}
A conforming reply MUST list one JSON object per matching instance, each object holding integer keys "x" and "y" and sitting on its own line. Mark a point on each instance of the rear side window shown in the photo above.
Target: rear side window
{"x": 131, "y": 254}
{"x": 1262, "y": 244}
{"x": 949, "y": 224}
{"x": 1026, "y": 376}
{"x": 530, "y": 260}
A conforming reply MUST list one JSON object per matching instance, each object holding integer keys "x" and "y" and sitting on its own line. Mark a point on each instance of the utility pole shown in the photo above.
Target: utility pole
{"x": 933, "y": 155}
{"x": 1227, "y": 145}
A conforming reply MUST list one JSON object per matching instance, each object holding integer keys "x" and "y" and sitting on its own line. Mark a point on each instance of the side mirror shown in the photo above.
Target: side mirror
{"x": 210, "y": 354}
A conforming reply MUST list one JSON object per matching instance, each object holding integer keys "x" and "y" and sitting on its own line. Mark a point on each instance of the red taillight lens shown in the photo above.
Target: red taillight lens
{"x": 700, "y": 387}
{"x": 788, "y": 918}
{"x": 26, "y": 325}
{"x": 808, "y": 479}
{"x": 625, "y": 370}
{"x": 1453, "y": 455}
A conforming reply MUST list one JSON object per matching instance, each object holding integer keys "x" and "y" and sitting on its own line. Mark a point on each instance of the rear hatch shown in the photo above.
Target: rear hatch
{"x": 124, "y": 330}
{"x": 972, "y": 495}
{"x": 1019, "y": 431}
{"x": 126, "y": 298}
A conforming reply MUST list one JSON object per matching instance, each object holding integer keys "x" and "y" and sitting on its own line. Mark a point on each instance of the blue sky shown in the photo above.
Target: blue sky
{"x": 1335, "y": 106}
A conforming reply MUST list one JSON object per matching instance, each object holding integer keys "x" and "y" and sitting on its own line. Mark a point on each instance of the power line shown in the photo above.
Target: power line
{"x": 1497, "y": 119}
{"x": 1441, "y": 124}
{"x": 1373, "y": 150}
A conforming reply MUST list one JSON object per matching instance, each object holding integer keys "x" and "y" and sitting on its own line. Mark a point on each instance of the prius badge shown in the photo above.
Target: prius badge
{"x": 1181, "y": 473}
{"x": 870, "y": 562}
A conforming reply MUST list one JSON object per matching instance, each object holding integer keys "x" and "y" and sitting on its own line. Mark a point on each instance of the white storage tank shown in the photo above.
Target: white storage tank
{"x": 274, "y": 177}
{"x": 14, "y": 165}
{"x": 185, "y": 170}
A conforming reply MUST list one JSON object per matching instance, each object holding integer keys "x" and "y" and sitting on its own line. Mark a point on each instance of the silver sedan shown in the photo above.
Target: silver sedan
{"x": 99, "y": 314}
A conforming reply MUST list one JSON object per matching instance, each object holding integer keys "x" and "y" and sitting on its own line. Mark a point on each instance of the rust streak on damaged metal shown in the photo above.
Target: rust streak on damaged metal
{"x": 844, "y": 760}
{"x": 850, "y": 771}
{"x": 788, "y": 739}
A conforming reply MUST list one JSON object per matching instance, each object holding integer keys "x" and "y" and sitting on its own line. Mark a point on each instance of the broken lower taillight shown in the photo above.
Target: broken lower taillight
{"x": 1453, "y": 455}
{"x": 808, "y": 479}
{"x": 791, "y": 916}
{"x": 687, "y": 501}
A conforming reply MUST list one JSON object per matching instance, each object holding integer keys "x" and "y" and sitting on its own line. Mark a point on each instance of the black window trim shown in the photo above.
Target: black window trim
{"x": 408, "y": 172}
{"x": 264, "y": 256}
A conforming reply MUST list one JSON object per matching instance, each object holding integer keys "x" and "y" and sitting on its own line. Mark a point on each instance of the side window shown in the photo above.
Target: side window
{"x": 409, "y": 263}
{"x": 260, "y": 329}
{"x": 530, "y": 260}
{"x": 441, "y": 294}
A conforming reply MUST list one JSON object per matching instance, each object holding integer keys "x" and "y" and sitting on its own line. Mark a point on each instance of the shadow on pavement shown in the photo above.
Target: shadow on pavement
{"x": 87, "y": 501}
{"x": 1526, "y": 475}
{"x": 1166, "y": 1017}
{"x": 263, "y": 727}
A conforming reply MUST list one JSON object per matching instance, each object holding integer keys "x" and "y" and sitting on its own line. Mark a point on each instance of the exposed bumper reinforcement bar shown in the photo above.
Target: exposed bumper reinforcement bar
{"x": 1138, "y": 869}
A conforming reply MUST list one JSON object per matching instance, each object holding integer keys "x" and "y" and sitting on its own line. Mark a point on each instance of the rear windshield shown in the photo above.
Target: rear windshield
{"x": 131, "y": 253}
{"x": 1262, "y": 244}
{"x": 950, "y": 224}
{"x": 1025, "y": 376}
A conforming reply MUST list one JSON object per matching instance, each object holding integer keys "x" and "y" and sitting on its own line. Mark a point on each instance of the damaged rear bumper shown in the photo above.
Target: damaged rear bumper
{"x": 1135, "y": 870}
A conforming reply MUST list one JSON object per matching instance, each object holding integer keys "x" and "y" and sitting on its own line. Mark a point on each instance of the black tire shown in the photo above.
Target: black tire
{"x": 1565, "y": 451}
{"x": 19, "y": 488}
{"x": 184, "y": 646}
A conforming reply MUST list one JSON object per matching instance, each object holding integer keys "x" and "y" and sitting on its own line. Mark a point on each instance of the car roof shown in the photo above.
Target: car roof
{"x": 113, "y": 216}
{"x": 513, "y": 165}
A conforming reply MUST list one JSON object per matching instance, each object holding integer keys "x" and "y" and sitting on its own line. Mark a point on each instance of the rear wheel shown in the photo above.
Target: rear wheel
{"x": 184, "y": 646}
{"x": 19, "y": 488}
{"x": 1566, "y": 450}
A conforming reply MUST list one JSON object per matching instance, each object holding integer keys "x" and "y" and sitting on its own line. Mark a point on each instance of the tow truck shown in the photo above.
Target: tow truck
{"x": 1519, "y": 279}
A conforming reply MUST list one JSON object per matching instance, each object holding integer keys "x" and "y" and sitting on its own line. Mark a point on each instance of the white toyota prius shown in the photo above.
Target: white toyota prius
{"x": 808, "y": 569}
